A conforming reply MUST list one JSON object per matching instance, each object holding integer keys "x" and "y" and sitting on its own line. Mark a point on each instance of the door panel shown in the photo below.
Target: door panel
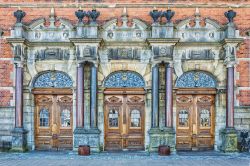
{"x": 195, "y": 122}
{"x": 53, "y": 122}
{"x": 184, "y": 122}
{"x": 124, "y": 122}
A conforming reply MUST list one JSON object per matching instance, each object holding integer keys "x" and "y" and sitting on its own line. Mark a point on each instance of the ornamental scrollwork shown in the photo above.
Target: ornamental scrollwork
{"x": 124, "y": 79}
{"x": 194, "y": 79}
{"x": 53, "y": 79}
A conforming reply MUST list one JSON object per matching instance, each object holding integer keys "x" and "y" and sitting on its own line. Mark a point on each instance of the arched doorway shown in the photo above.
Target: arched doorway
{"x": 53, "y": 111}
{"x": 195, "y": 112}
{"x": 124, "y": 111}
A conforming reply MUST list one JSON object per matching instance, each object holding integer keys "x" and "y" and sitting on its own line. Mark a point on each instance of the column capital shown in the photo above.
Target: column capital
{"x": 19, "y": 64}
{"x": 230, "y": 64}
{"x": 170, "y": 64}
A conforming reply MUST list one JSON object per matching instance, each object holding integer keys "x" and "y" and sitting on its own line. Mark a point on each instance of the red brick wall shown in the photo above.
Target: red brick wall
{"x": 113, "y": 9}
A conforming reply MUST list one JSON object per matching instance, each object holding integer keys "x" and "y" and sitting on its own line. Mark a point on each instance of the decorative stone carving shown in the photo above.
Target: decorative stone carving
{"x": 55, "y": 79}
{"x": 137, "y": 32}
{"x": 194, "y": 79}
{"x": 80, "y": 14}
{"x": 93, "y": 15}
{"x": 86, "y": 51}
{"x": 168, "y": 15}
{"x": 19, "y": 14}
{"x": 52, "y": 53}
{"x": 123, "y": 53}
{"x": 155, "y": 14}
{"x": 124, "y": 79}
{"x": 210, "y": 32}
{"x": 230, "y": 14}
{"x": 163, "y": 51}
{"x": 198, "y": 54}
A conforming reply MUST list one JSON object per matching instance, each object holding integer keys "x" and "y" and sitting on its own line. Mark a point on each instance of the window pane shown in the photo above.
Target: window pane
{"x": 113, "y": 118}
{"x": 65, "y": 118}
{"x": 135, "y": 118}
{"x": 44, "y": 117}
{"x": 205, "y": 118}
{"x": 183, "y": 118}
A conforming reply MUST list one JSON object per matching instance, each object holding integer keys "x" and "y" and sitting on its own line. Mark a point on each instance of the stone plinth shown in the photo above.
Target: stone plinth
{"x": 19, "y": 140}
{"x": 229, "y": 140}
{"x": 165, "y": 136}
{"x": 89, "y": 137}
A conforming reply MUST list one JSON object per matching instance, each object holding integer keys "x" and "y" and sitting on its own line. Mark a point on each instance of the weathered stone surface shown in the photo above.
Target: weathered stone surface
{"x": 164, "y": 136}
{"x": 19, "y": 140}
{"x": 229, "y": 140}
{"x": 89, "y": 137}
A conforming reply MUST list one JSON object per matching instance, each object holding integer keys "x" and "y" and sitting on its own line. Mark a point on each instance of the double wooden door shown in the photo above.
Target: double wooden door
{"x": 53, "y": 122}
{"x": 124, "y": 121}
{"x": 195, "y": 122}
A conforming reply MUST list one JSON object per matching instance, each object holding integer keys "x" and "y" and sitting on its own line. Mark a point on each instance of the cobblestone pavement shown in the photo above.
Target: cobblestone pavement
{"x": 36, "y": 158}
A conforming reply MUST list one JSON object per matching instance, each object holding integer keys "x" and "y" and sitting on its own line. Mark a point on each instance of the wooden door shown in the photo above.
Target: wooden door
{"x": 53, "y": 122}
{"x": 124, "y": 122}
{"x": 195, "y": 122}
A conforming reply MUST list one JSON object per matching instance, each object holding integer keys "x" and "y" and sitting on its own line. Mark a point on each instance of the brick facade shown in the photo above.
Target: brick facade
{"x": 139, "y": 9}
{"x": 65, "y": 10}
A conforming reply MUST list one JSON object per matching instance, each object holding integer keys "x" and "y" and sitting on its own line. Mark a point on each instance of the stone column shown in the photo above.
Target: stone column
{"x": 155, "y": 96}
{"x": 93, "y": 97}
{"x": 169, "y": 96}
{"x": 19, "y": 134}
{"x": 230, "y": 97}
{"x": 229, "y": 134}
{"x": 80, "y": 96}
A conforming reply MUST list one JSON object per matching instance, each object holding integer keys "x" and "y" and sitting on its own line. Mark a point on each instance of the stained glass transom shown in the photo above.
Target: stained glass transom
{"x": 124, "y": 79}
{"x": 54, "y": 79}
{"x": 196, "y": 79}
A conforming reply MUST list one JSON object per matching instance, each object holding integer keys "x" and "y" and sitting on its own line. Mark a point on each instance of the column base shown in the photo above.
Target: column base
{"x": 89, "y": 137}
{"x": 164, "y": 136}
{"x": 229, "y": 140}
{"x": 19, "y": 140}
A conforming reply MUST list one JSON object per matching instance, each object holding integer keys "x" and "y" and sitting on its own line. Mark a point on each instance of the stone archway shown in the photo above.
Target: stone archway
{"x": 53, "y": 119}
{"x": 195, "y": 111}
{"x": 124, "y": 111}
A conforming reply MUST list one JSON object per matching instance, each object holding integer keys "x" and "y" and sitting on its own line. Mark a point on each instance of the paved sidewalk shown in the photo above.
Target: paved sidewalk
{"x": 36, "y": 158}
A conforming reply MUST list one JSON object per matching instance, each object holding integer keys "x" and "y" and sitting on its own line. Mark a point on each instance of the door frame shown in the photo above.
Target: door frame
{"x": 198, "y": 91}
{"x": 50, "y": 91}
{"x": 125, "y": 91}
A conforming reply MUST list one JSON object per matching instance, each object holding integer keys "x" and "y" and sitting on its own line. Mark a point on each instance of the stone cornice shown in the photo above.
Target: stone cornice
{"x": 232, "y": 41}
{"x": 163, "y": 40}
{"x": 127, "y": 5}
{"x": 199, "y": 44}
{"x": 87, "y": 40}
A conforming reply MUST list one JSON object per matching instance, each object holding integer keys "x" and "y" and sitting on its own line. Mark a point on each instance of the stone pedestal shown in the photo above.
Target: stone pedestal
{"x": 165, "y": 136}
{"x": 89, "y": 137}
{"x": 19, "y": 140}
{"x": 229, "y": 140}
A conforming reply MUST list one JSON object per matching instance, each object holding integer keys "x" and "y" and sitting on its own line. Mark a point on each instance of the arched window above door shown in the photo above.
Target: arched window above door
{"x": 124, "y": 79}
{"x": 53, "y": 79}
{"x": 194, "y": 79}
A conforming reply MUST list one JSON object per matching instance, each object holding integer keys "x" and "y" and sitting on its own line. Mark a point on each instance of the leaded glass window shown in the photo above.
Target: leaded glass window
{"x": 124, "y": 79}
{"x": 194, "y": 79}
{"x": 183, "y": 118}
{"x": 205, "y": 118}
{"x": 135, "y": 118}
{"x": 53, "y": 79}
{"x": 113, "y": 118}
{"x": 44, "y": 117}
{"x": 65, "y": 118}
